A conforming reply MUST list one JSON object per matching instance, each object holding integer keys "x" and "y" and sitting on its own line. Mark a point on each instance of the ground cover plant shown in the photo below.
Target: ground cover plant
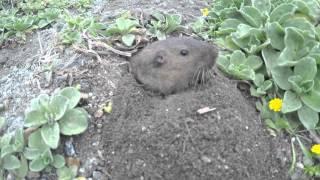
{"x": 46, "y": 118}
{"x": 275, "y": 46}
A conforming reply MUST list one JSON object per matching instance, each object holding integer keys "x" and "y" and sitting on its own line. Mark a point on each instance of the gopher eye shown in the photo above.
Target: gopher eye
{"x": 184, "y": 52}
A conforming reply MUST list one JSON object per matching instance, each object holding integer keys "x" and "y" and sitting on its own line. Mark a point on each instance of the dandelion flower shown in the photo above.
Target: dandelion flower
{"x": 275, "y": 104}
{"x": 205, "y": 12}
{"x": 316, "y": 149}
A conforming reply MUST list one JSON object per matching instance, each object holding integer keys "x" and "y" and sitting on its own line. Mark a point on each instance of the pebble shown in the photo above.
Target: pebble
{"x": 33, "y": 175}
{"x": 69, "y": 149}
{"x": 97, "y": 175}
{"x": 99, "y": 125}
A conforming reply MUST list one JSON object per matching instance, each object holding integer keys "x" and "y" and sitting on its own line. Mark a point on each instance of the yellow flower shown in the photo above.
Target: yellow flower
{"x": 316, "y": 149}
{"x": 205, "y": 11}
{"x": 275, "y": 104}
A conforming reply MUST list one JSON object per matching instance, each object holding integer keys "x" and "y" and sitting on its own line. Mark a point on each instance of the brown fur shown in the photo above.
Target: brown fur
{"x": 172, "y": 65}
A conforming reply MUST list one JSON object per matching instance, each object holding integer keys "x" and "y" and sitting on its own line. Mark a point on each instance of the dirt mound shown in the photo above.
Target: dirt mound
{"x": 150, "y": 137}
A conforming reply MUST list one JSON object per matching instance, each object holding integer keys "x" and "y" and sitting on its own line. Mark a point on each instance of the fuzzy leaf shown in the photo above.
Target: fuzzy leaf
{"x": 37, "y": 165}
{"x": 35, "y": 118}
{"x": 75, "y": 121}
{"x": 238, "y": 58}
{"x": 18, "y": 141}
{"x": 128, "y": 39}
{"x": 293, "y": 39}
{"x": 58, "y": 161}
{"x": 258, "y": 80}
{"x": 65, "y": 173}
{"x": 251, "y": 15}
{"x": 262, "y": 5}
{"x": 35, "y": 141}
{"x": 6, "y": 150}
{"x": 32, "y": 153}
{"x": 270, "y": 57}
{"x": 73, "y": 96}
{"x": 301, "y": 24}
{"x": 254, "y": 62}
{"x": 58, "y": 106}
{"x": 312, "y": 100}
{"x": 276, "y": 35}
{"x": 281, "y": 75}
{"x": 282, "y": 12}
{"x": 308, "y": 117}
{"x": 228, "y": 26}
{"x": 51, "y": 135}
{"x": 306, "y": 68}
{"x": 23, "y": 169}
{"x": 291, "y": 102}
{"x": 10, "y": 162}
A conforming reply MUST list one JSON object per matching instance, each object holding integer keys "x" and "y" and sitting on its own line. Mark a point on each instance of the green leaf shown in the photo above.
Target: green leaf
{"x": 11, "y": 162}
{"x": 35, "y": 118}
{"x": 75, "y": 121}
{"x": 35, "y": 141}
{"x": 37, "y": 164}
{"x": 238, "y": 58}
{"x": 65, "y": 173}
{"x": 128, "y": 39}
{"x": 32, "y": 153}
{"x": 73, "y": 96}
{"x": 306, "y": 68}
{"x": 22, "y": 171}
{"x": 58, "y": 161}
{"x": 258, "y": 80}
{"x": 282, "y": 12}
{"x": 281, "y": 75}
{"x": 254, "y": 62}
{"x": 291, "y": 102}
{"x": 308, "y": 117}
{"x": 228, "y": 26}
{"x": 276, "y": 35}
{"x": 51, "y": 135}
{"x": 58, "y": 106}
{"x": 262, "y": 5}
{"x": 40, "y": 103}
{"x": 301, "y": 24}
{"x": 293, "y": 39}
{"x": 6, "y": 150}
{"x": 5, "y": 139}
{"x": 312, "y": 100}
{"x": 18, "y": 141}
{"x": 173, "y": 22}
{"x": 270, "y": 57}
{"x": 252, "y": 16}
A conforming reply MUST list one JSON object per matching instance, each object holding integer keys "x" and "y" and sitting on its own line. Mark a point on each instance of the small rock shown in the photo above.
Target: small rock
{"x": 99, "y": 125}
{"x": 33, "y": 175}
{"x": 97, "y": 175}
{"x": 69, "y": 149}
{"x": 206, "y": 159}
{"x": 10, "y": 177}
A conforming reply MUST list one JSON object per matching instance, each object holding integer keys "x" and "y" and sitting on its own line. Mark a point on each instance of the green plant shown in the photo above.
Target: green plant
{"x": 56, "y": 114}
{"x": 163, "y": 24}
{"x": 124, "y": 28}
{"x": 275, "y": 45}
{"x": 79, "y": 24}
{"x": 11, "y": 158}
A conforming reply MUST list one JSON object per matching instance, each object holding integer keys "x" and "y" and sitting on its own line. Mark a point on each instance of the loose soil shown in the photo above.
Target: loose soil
{"x": 145, "y": 136}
